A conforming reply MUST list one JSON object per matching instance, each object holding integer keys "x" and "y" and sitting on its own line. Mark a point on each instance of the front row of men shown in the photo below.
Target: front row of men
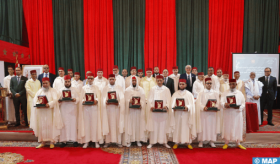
{"x": 111, "y": 115}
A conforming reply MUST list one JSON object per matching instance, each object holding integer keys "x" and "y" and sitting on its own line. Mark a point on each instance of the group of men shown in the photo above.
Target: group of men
{"x": 155, "y": 118}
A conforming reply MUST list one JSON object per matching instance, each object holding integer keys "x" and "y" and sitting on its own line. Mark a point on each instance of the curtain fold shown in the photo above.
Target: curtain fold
{"x": 11, "y": 21}
{"x": 192, "y": 34}
{"x": 39, "y": 22}
{"x": 226, "y": 20}
{"x": 98, "y": 36}
{"x": 129, "y": 25}
{"x": 69, "y": 35}
{"x": 261, "y": 26}
{"x": 160, "y": 34}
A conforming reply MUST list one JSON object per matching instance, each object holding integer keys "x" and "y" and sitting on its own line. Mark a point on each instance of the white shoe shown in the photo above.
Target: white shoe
{"x": 119, "y": 145}
{"x": 85, "y": 145}
{"x": 106, "y": 145}
{"x": 139, "y": 143}
{"x": 167, "y": 146}
{"x": 200, "y": 144}
{"x": 129, "y": 144}
{"x": 97, "y": 145}
{"x": 150, "y": 146}
{"x": 212, "y": 144}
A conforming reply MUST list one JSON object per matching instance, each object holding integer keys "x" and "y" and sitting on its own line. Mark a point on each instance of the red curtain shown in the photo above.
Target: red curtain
{"x": 98, "y": 36}
{"x": 39, "y": 22}
{"x": 160, "y": 34}
{"x": 225, "y": 32}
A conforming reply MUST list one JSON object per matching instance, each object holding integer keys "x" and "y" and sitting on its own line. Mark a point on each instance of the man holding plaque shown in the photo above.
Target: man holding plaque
{"x": 119, "y": 80}
{"x": 59, "y": 81}
{"x": 175, "y": 76}
{"x": 233, "y": 103}
{"x": 160, "y": 119}
{"x": 133, "y": 73}
{"x": 184, "y": 113}
{"x": 46, "y": 121}
{"x": 198, "y": 85}
{"x": 89, "y": 121}
{"x": 148, "y": 81}
{"x": 100, "y": 81}
{"x": 113, "y": 111}
{"x": 207, "y": 114}
{"x": 135, "y": 125}
{"x": 77, "y": 83}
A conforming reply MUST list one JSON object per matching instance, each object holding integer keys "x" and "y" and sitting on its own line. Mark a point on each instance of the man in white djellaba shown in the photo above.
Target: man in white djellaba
{"x": 100, "y": 81}
{"x": 198, "y": 85}
{"x": 76, "y": 82}
{"x": 59, "y": 81}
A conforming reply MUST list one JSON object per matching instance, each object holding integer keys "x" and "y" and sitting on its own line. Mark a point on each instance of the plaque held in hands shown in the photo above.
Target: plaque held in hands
{"x": 232, "y": 101}
{"x": 112, "y": 97}
{"x": 135, "y": 102}
{"x": 89, "y": 99}
{"x": 66, "y": 95}
{"x": 211, "y": 105}
{"x": 180, "y": 104}
{"x": 41, "y": 101}
{"x": 159, "y": 106}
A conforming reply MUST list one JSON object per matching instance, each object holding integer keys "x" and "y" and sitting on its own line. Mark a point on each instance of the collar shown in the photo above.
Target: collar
{"x": 111, "y": 86}
{"x": 158, "y": 87}
{"x": 19, "y": 76}
{"x": 34, "y": 80}
{"x": 189, "y": 74}
{"x": 46, "y": 73}
{"x": 208, "y": 91}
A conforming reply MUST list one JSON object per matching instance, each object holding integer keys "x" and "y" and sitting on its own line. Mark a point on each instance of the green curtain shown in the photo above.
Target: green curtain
{"x": 11, "y": 21}
{"x": 192, "y": 34}
{"x": 129, "y": 24}
{"x": 261, "y": 26}
{"x": 69, "y": 35}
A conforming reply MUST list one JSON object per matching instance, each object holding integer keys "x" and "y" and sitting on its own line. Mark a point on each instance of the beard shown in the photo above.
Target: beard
{"x": 181, "y": 89}
{"x": 45, "y": 89}
{"x": 68, "y": 86}
{"x": 134, "y": 85}
{"x": 233, "y": 90}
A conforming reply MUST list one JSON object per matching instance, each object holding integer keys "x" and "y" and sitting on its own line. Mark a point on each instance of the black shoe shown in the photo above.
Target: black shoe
{"x": 270, "y": 123}
{"x": 18, "y": 124}
{"x": 63, "y": 145}
{"x": 75, "y": 144}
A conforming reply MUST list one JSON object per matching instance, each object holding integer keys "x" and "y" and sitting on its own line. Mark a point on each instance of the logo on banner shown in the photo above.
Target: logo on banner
{"x": 262, "y": 160}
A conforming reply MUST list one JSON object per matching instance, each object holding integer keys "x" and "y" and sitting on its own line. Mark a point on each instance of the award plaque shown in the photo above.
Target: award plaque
{"x": 135, "y": 102}
{"x": 42, "y": 101}
{"x": 89, "y": 99}
{"x": 4, "y": 92}
{"x": 232, "y": 101}
{"x": 180, "y": 104}
{"x": 66, "y": 95}
{"x": 159, "y": 106}
{"x": 112, "y": 97}
{"x": 211, "y": 105}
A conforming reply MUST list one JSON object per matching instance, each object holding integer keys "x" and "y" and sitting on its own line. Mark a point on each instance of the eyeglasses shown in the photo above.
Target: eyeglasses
{"x": 90, "y": 78}
{"x": 209, "y": 83}
{"x": 266, "y": 71}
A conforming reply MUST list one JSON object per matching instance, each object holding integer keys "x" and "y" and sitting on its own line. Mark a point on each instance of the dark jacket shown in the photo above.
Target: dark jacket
{"x": 16, "y": 87}
{"x": 189, "y": 87}
{"x": 169, "y": 84}
{"x": 270, "y": 89}
{"x": 51, "y": 76}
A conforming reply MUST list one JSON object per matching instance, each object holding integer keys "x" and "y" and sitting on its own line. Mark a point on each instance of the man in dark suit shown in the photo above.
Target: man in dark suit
{"x": 190, "y": 77}
{"x": 47, "y": 74}
{"x": 156, "y": 71}
{"x": 168, "y": 81}
{"x": 17, "y": 87}
{"x": 268, "y": 96}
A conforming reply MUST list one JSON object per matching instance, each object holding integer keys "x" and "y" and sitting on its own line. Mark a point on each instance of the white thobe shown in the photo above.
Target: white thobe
{"x": 254, "y": 88}
{"x": 198, "y": 86}
{"x": 120, "y": 81}
{"x": 176, "y": 81}
{"x": 241, "y": 87}
{"x": 233, "y": 124}
{"x": 10, "y": 115}
{"x": 77, "y": 84}
{"x": 185, "y": 129}
{"x": 147, "y": 83}
{"x": 208, "y": 121}
{"x": 69, "y": 115}
{"x": 215, "y": 82}
{"x": 32, "y": 87}
{"x": 159, "y": 124}
{"x": 100, "y": 83}
{"x": 58, "y": 84}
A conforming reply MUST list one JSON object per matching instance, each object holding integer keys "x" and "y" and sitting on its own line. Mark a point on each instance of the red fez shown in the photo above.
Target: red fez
{"x": 90, "y": 74}
{"x": 77, "y": 73}
{"x": 149, "y": 69}
{"x": 10, "y": 66}
{"x": 225, "y": 72}
{"x": 194, "y": 68}
{"x": 67, "y": 77}
{"x": 115, "y": 66}
{"x": 236, "y": 72}
{"x": 99, "y": 69}
{"x": 112, "y": 75}
{"x": 132, "y": 68}
{"x": 159, "y": 77}
{"x": 182, "y": 80}
{"x": 61, "y": 68}
{"x": 175, "y": 67}
{"x": 208, "y": 79}
{"x": 32, "y": 71}
{"x": 232, "y": 80}
{"x": 70, "y": 69}
{"x": 46, "y": 79}
{"x": 133, "y": 78}
{"x": 200, "y": 73}
{"x": 140, "y": 70}
{"x": 219, "y": 69}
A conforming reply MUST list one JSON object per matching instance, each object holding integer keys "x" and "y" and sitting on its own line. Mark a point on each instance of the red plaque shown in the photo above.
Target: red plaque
{"x": 112, "y": 97}
{"x": 159, "y": 106}
{"x": 211, "y": 104}
{"x": 66, "y": 94}
{"x": 232, "y": 101}
{"x": 136, "y": 101}
{"x": 180, "y": 104}
{"x": 41, "y": 101}
{"x": 89, "y": 97}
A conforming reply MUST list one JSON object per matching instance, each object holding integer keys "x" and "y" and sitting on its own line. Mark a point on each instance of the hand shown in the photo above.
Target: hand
{"x": 205, "y": 109}
{"x": 95, "y": 102}
{"x": 236, "y": 107}
{"x": 47, "y": 105}
{"x": 17, "y": 95}
{"x": 84, "y": 102}
{"x": 186, "y": 108}
{"x": 152, "y": 108}
{"x": 165, "y": 107}
{"x": 59, "y": 101}
{"x": 74, "y": 100}
{"x": 106, "y": 102}
{"x": 130, "y": 101}
{"x": 227, "y": 105}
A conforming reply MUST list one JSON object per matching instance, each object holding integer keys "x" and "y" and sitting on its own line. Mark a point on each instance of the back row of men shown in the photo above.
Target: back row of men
{"x": 119, "y": 122}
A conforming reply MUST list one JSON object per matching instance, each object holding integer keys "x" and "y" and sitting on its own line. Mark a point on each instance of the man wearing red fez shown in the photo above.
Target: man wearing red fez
{"x": 100, "y": 81}
{"x": 89, "y": 121}
{"x": 113, "y": 113}
{"x": 232, "y": 115}
{"x": 156, "y": 71}
{"x": 190, "y": 78}
{"x": 215, "y": 80}
{"x": 198, "y": 85}
{"x": 220, "y": 74}
{"x": 240, "y": 83}
{"x": 194, "y": 71}
{"x": 77, "y": 83}
{"x": 46, "y": 122}
{"x": 175, "y": 76}
{"x": 85, "y": 81}
{"x": 32, "y": 86}
{"x": 208, "y": 121}
{"x": 119, "y": 80}
{"x": 224, "y": 83}
{"x": 46, "y": 73}
{"x": 140, "y": 73}
{"x": 167, "y": 81}
{"x": 9, "y": 101}
{"x": 71, "y": 73}
{"x": 148, "y": 81}
{"x": 133, "y": 73}
{"x": 59, "y": 81}
{"x": 159, "y": 124}
{"x": 135, "y": 126}
{"x": 69, "y": 112}
{"x": 185, "y": 129}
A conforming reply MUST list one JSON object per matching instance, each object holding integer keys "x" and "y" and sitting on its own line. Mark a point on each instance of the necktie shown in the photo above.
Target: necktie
{"x": 188, "y": 80}
{"x": 18, "y": 80}
{"x": 266, "y": 81}
{"x": 165, "y": 81}
{"x": 45, "y": 74}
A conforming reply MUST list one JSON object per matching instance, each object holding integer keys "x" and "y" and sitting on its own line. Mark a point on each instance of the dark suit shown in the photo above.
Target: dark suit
{"x": 154, "y": 75}
{"x": 169, "y": 84}
{"x": 189, "y": 86}
{"x": 51, "y": 76}
{"x": 19, "y": 87}
{"x": 268, "y": 96}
